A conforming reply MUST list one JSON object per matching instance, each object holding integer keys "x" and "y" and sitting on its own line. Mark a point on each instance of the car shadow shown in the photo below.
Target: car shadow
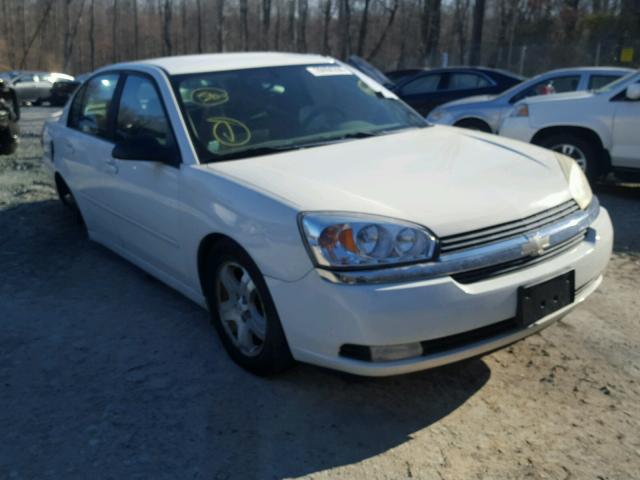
{"x": 623, "y": 204}
{"x": 107, "y": 373}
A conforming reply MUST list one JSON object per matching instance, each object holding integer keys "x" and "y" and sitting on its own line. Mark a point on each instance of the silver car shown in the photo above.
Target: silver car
{"x": 486, "y": 112}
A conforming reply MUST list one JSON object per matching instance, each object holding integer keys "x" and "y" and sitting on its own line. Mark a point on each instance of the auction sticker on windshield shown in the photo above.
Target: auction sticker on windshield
{"x": 328, "y": 71}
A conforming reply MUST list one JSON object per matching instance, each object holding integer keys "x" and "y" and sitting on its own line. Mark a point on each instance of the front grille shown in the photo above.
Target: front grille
{"x": 484, "y": 236}
{"x": 480, "y": 274}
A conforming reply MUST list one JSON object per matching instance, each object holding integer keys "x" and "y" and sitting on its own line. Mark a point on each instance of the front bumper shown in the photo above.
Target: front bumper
{"x": 319, "y": 317}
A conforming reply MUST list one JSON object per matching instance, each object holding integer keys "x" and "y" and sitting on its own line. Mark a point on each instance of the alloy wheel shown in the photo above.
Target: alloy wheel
{"x": 240, "y": 308}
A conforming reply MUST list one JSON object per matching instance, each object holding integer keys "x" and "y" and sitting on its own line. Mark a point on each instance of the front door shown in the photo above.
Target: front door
{"x": 146, "y": 193}
{"x": 625, "y": 152}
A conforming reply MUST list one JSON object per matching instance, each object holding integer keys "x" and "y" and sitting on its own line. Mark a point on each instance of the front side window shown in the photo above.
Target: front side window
{"x": 234, "y": 114}
{"x": 90, "y": 116}
{"x": 141, "y": 114}
{"x": 424, "y": 84}
{"x": 568, "y": 83}
{"x": 467, "y": 81}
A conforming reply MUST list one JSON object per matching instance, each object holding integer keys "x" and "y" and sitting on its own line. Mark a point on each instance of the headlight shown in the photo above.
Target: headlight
{"x": 520, "y": 111}
{"x": 351, "y": 240}
{"x": 578, "y": 183}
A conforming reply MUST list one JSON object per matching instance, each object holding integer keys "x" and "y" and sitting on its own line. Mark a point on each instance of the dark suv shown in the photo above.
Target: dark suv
{"x": 9, "y": 116}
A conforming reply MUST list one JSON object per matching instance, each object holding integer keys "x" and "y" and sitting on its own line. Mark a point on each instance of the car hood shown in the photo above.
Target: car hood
{"x": 559, "y": 97}
{"x": 445, "y": 178}
{"x": 468, "y": 101}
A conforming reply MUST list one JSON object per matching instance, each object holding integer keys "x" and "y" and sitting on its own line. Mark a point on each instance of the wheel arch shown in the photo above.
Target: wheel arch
{"x": 206, "y": 245}
{"x": 473, "y": 118}
{"x": 583, "y": 132}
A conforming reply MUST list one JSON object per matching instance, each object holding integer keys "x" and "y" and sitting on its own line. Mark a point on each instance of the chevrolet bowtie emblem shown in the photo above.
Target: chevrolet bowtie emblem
{"x": 536, "y": 245}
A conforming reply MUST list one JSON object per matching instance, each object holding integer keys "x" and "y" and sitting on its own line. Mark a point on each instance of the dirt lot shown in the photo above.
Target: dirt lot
{"x": 106, "y": 373}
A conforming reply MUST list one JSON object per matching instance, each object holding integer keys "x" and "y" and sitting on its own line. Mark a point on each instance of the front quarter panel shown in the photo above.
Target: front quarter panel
{"x": 595, "y": 114}
{"x": 263, "y": 224}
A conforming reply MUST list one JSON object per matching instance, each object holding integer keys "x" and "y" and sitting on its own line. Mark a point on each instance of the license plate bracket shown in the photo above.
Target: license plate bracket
{"x": 542, "y": 299}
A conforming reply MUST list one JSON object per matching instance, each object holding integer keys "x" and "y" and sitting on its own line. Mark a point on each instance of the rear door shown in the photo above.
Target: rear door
{"x": 85, "y": 152}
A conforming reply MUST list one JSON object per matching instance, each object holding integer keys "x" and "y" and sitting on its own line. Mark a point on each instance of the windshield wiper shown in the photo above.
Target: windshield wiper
{"x": 251, "y": 152}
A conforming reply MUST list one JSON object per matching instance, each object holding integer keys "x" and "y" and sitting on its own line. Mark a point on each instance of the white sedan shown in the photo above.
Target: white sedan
{"x": 319, "y": 218}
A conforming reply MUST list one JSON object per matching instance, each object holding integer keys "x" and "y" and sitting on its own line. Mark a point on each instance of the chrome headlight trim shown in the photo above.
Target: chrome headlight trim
{"x": 358, "y": 241}
{"x": 484, "y": 256}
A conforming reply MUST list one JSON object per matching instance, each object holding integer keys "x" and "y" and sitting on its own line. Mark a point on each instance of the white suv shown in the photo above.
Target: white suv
{"x": 599, "y": 129}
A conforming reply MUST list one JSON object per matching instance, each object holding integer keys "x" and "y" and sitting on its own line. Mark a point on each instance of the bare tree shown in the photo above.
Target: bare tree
{"x": 8, "y": 34}
{"x": 476, "y": 32}
{"x": 220, "y": 25}
{"x": 265, "y": 22}
{"x": 28, "y": 46}
{"x": 168, "y": 14}
{"x": 364, "y": 24}
{"x": 199, "y": 29}
{"x": 303, "y": 13}
{"x": 326, "y": 9}
{"x": 70, "y": 32}
{"x": 136, "y": 36}
{"x": 114, "y": 32}
{"x": 291, "y": 22}
{"x": 92, "y": 34}
{"x": 460, "y": 26}
{"x": 385, "y": 31}
{"x": 244, "y": 20}
{"x": 344, "y": 28}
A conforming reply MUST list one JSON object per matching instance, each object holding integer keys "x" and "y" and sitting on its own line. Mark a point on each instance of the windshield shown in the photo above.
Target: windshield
{"x": 240, "y": 113}
{"x": 613, "y": 85}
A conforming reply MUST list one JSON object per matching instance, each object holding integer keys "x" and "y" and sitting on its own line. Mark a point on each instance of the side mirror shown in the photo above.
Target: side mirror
{"x": 145, "y": 149}
{"x": 633, "y": 92}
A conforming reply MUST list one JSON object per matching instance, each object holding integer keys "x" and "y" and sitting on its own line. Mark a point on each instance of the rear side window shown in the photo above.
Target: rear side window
{"x": 466, "y": 81}
{"x": 599, "y": 81}
{"x": 424, "y": 84}
{"x": 90, "y": 110}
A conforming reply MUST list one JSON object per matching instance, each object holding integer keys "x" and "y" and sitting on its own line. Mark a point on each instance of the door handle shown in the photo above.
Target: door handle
{"x": 111, "y": 167}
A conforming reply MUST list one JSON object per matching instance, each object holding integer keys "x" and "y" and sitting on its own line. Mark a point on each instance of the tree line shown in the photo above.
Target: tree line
{"x": 81, "y": 35}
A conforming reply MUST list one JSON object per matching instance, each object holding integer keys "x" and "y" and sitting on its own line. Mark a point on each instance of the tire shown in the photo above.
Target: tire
{"x": 8, "y": 144}
{"x": 243, "y": 311}
{"x": 582, "y": 150}
{"x": 474, "y": 124}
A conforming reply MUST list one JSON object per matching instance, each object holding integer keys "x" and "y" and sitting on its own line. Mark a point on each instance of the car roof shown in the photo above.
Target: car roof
{"x": 590, "y": 70}
{"x": 183, "y": 64}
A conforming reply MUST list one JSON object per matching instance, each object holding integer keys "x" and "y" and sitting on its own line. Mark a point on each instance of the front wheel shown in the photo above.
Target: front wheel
{"x": 243, "y": 312}
{"x": 581, "y": 150}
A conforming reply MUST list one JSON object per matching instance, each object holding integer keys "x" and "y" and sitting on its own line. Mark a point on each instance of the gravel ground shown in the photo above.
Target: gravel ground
{"x": 106, "y": 373}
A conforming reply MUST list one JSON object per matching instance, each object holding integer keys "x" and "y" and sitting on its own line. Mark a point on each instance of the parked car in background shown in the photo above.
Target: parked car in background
{"x": 9, "y": 116}
{"x": 426, "y": 89}
{"x": 324, "y": 220}
{"x": 599, "y": 129}
{"x": 62, "y": 90}
{"x": 35, "y": 87}
{"x": 398, "y": 75}
{"x": 485, "y": 112}
{"x": 431, "y": 88}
